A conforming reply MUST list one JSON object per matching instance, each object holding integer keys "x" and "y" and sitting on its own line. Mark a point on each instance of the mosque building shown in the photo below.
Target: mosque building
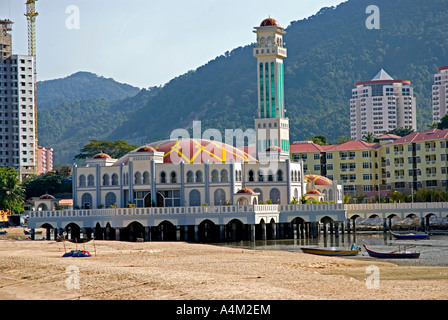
{"x": 196, "y": 172}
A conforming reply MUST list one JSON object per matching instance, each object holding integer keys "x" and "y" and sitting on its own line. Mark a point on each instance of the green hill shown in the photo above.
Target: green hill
{"x": 81, "y": 85}
{"x": 327, "y": 54}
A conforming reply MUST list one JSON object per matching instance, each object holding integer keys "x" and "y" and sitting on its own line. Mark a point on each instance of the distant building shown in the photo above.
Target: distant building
{"x": 413, "y": 162}
{"x": 440, "y": 94}
{"x": 17, "y": 116}
{"x": 44, "y": 160}
{"x": 380, "y": 105}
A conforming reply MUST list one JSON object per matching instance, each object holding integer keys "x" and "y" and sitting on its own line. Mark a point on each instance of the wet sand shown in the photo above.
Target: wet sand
{"x": 36, "y": 270}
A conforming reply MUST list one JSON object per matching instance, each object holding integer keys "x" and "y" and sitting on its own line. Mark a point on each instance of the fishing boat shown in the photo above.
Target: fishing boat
{"x": 410, "y": 236}
{"x": 354, "y": 250}
{"x": 400, "y": 254}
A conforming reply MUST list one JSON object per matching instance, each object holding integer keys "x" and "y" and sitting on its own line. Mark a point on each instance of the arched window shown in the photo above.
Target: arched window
{"x": 173, "y": 178}
{"x": 215, "y": 177}
{"x": 251, "y": 175}
{"x": 260, "y": 196}
{"x": 91, "y": 180}
{"x": 292, "y": 176}
{"x": 270, "y": 176}
{"x": 260, "y": 175}
{"x": 105, "y": 180}
{"x": 199, "y": 176}
{"x": 82, "y": 180}
{"x": 111, "y": 199}
{"x": 274, "y": 195}
{"x": 138, "y": 178}
{"x": 162, "y": 177}
{"x": 86, "y": 201}
{"x": 115, "y": 179}
{"x": 220, "y": 197}
{"x": 190, "y": 177}
{"x": 224, "y": 176}
{"x": 146, "y": 177}
{"x": 279, "y": 175}
{"x": 195, "y": 198}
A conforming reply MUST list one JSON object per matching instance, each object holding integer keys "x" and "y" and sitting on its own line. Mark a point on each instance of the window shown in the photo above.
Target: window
{"x": 279, "y": 175}
{"x": 137, "y": 178}
{"x": 316, "y": 156}
{"x": 172, "y": 198}
{"x": 146, "y": 177}
{"x": 199, "y": 176}
{"x": 251, "y": 175}
{"x": 215, "y": 176}
{"x": 224, "y": 176}
{"x": 90, "y": 180}
{"x": 82, "y": 180}
{"x": 190, "y": 177}
{"x": 162, "y": 177}
{"x": 173, "y": 177}
{"x": 106, "y": 180}
{"x": 115, "y": 179}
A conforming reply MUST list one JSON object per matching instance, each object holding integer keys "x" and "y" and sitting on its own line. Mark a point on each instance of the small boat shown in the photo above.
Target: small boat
{"x": 354, "y": 250}
{"x": 400, "y": 254}
{"x": 410, "y": 236}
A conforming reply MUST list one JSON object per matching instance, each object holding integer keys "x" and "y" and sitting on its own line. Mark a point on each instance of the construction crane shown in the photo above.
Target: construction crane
{"x": 31, "y": 15}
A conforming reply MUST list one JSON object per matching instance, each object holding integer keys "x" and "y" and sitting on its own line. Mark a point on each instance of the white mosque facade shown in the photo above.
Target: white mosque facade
{"x": 179, "y": 188}
{"x": 195, "y": 172}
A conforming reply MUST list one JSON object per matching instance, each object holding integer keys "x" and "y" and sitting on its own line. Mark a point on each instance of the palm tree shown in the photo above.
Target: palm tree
{"x": 12, "y": 194}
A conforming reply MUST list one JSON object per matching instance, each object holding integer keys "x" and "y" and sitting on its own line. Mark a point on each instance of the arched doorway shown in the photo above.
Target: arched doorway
{"x": 149, "y": 203}
{"x": 166, "y": 231}
{"x": 235, "y": 230}
{"x": 208, "y": 231}
{"x": 132, "y": 232}
{"x": 73, "y": 231}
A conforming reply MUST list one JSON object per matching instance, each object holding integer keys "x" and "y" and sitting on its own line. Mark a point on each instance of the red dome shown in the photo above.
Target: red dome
{"x": 101, "y": 155}
{"x": 47, "y": 197}
{"x": 246, "y": 190}
{"x": 313, "y": 192}
{"x": 146, "y": 149}
{"x": 319, "y": 180}
{"x": 274, "y": 148}
{"x": 269, "y": 22}
{"x": 196, "y": 151}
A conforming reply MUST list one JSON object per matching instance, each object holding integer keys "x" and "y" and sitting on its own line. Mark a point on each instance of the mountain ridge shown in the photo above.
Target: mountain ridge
{"x": 327, "y": 54}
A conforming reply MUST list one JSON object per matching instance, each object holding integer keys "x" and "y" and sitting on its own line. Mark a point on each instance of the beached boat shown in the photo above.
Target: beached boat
{"x": 410, "y": 236}
{"x": 400, "y": 254}
{"x": 354, "y": 250}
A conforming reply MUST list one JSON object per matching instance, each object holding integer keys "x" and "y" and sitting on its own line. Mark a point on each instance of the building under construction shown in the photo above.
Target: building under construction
{"x": 17, "y": 107}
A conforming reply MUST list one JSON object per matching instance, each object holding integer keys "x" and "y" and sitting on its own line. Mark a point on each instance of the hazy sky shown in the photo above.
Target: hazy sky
{"x": 143, "y": 42}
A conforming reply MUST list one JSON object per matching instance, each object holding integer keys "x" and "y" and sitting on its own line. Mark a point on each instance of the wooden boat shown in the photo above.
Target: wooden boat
{"x": 410, "y": 236}
{"x": 330, "y": 252}
{"x": 400, "y": 254}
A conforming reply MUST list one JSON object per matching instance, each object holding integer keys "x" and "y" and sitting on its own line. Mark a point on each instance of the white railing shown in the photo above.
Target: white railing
{"x": 396, "y": 206}
{"x": 154, "y": 211}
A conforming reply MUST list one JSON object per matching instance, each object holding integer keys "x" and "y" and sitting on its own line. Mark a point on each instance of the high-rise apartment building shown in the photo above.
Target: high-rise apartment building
{"x": 17, "y": 118}
{"x": 44, "y": 160}
{"x": 380, "y": 105}
{"x": 440, "y": 94}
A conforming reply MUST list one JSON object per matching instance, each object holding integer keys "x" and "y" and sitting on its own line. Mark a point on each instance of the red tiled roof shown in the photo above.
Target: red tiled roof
{"x": 391, "y": 136}
{"x": 306, "y": 147}
{"x": 432, "y": 134}
{"x": 354, "y": 145}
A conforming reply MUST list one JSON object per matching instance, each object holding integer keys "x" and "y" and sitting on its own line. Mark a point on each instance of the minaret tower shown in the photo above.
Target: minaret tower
{"x": 271, "y": 126}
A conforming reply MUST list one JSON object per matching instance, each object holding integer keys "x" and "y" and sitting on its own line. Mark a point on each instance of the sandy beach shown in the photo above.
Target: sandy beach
{"x": 36, "y": 270}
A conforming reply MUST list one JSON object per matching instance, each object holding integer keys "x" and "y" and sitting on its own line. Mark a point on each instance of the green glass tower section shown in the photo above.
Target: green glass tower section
{"x": 272, "y": 125}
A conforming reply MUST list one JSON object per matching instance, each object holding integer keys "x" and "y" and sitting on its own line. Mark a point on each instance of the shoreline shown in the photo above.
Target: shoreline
{"x": 36, "y": 270}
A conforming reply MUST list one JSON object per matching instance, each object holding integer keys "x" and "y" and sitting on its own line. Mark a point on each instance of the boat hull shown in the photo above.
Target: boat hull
{"x": 410, "y": 236}
{"x": 392, "y": 255}
{"x": 329, "y": 252}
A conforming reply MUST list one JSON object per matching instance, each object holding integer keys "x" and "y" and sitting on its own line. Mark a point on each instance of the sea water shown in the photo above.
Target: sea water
{"x": 433, "y": 251}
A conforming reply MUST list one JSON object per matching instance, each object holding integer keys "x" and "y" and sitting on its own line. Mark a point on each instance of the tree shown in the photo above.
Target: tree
{"x": 443, "y": 124}
{"x": 116, "y": 149}
{"x": 50, "y": 183}
{"x": 368, "y": 137}
{"x": 320, "y": 140}
{"x": 11, "y": 192}
{"x": 401, "y": 131}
